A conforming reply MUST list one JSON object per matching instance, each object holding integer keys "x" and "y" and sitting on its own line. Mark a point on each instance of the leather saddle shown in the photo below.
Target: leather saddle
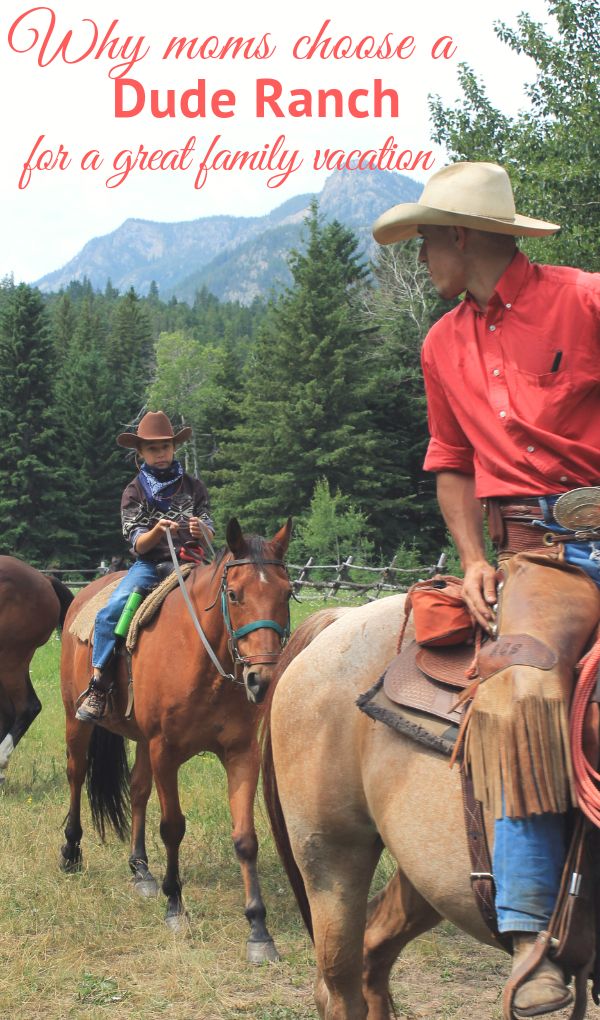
{"x": 431, "y": 680}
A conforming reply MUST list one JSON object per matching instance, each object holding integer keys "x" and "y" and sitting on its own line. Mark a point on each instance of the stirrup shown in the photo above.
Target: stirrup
{"x": 84, "y": 693}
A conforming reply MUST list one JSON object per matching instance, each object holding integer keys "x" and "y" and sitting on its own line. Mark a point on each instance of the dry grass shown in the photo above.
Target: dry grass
{"x": 85, "y": 946}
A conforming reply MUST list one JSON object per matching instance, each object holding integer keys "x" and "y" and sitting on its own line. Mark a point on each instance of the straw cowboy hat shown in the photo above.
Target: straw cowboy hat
{"x": 476, "y": 195}
{"x": 154, "y": 426}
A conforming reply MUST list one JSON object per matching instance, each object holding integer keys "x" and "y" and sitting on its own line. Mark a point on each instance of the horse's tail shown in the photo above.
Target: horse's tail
{"x": 107, "y": 782}
{"x": 65, "y": 597}
{"x": 301, "y": 638}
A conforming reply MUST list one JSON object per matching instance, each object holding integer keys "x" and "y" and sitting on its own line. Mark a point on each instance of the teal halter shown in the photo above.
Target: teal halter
{"x": 235, "y": 635}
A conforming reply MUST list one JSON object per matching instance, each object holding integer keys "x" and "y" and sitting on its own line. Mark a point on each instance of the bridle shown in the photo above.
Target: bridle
{"x": 261, "y": 658}
{"x": 233, "y": 635}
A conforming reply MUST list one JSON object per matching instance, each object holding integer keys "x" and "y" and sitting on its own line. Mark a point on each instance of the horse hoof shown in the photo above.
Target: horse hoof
{"x": 179, "y": 924}
{"x": 146, "y": 887}
{"x": 70, "y": 866}
{"x": 262, "y": 952}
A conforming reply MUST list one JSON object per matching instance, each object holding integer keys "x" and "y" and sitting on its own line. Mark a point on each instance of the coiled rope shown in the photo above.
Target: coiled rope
{"x": 586, "y": 778}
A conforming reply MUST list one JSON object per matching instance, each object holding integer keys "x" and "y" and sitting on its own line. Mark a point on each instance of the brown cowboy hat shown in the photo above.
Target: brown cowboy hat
{"x": 476, "y": 195}
{"x": 154, "y": 426}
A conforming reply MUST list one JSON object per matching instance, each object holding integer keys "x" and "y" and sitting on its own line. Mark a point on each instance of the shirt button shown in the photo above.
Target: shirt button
{"x": 563, "y": 478}
{"x": 503, "y": 415}
{"x": 508, "y": 305}
{"x": 492, "y": 328}
{"x": 496, "y": 371}
{"x": 530, "y": 449}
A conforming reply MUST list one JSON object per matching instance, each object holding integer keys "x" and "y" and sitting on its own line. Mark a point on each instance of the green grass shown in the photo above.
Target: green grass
{"x": 86, "y": 946}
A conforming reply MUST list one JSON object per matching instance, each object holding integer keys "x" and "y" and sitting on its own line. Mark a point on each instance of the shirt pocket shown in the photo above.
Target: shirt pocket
{"x": 544, "y": 400}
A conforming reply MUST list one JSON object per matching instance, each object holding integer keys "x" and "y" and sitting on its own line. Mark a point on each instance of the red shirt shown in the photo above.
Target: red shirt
{"x": 514, "y": 392}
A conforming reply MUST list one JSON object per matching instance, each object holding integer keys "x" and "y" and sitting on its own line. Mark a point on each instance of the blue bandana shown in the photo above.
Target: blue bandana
{"x": 160, "y": 485}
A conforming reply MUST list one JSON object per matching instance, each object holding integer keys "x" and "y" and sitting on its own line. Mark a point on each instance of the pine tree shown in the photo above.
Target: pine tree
{"x": 331, "y": 529}
{"x": 63, "y": 326}
{"x": 31, "y": 478}
{"x": 400, "y": 310}
{"x": 302, "y": 413}
{"x": 95, "y": 471}
{"x": 129, "y": 357}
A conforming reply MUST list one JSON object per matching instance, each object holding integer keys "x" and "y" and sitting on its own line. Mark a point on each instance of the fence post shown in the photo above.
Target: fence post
{"x": 342, "y": 575}
{"x": 302, "y": 576}
{"x": 386, "y": 575}
{"x": 440, "y": 565}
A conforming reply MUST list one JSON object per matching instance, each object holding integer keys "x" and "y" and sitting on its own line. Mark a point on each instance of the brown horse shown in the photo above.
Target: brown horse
{"x": 31, "y": 606}
{"x": 183, "y": 705}
{"x": 339, "y": 787}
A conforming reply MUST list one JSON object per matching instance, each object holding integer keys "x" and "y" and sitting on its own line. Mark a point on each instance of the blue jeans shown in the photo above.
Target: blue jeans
{"x": 141, "y": 575}
{"x": 585, "y": 555}
{"x": 529, "y": 853}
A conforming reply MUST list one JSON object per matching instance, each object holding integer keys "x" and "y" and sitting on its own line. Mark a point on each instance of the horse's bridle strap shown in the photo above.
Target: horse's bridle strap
{"x": 264, "y": 657}
{"x": 259, "y": 625}
{"x": 260, "y": 659}
{"x": 248, "y": 628}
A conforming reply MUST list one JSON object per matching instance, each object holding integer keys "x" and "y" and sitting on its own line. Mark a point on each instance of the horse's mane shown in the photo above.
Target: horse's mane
{"x": 256, "y": 549}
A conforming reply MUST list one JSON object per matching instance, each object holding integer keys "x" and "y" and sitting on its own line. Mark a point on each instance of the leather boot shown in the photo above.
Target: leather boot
{"x": 545, "y": 990}
{"x": 93, "y": 707}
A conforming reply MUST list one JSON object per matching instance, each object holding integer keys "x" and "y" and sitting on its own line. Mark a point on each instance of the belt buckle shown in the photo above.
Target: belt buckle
{"x": 579, "y": 509}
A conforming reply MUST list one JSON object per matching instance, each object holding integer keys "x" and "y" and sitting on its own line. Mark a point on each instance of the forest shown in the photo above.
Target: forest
{"x": 308, "y": 403}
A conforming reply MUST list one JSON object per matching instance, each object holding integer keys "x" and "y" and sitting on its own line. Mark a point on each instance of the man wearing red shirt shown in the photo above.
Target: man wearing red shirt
{"x": 512, "y": 376}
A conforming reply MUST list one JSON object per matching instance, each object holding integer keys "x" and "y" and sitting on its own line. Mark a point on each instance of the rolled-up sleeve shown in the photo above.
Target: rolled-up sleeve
{"x": 449, "y": 449}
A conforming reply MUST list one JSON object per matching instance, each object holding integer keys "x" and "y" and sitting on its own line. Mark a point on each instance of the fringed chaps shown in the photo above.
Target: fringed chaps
{"x": 517, "y": 745}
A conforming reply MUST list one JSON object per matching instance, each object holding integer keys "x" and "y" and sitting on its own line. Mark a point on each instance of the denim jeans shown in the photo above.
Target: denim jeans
{"x": 529, "y": 853}
{"x": 141, "y": 575}
{"x": 585, "y": 555}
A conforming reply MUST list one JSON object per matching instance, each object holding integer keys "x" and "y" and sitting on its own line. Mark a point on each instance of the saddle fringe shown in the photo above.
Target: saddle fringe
{"x": 524, "y": 755}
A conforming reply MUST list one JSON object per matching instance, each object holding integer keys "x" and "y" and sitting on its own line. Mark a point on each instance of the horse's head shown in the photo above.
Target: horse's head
{"x": 255, "y": 594}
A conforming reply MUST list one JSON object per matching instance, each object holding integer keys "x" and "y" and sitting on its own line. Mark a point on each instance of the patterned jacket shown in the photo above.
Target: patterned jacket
{"x": 139, "y": 515}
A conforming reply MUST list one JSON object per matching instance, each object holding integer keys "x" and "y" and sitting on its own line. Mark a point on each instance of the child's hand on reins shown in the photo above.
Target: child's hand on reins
{"x": 165, "y": 525}
{"x": 198, "y": 529}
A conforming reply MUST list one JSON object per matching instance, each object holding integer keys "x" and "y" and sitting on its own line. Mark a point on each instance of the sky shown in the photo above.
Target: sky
{"x": 70, "y": 99}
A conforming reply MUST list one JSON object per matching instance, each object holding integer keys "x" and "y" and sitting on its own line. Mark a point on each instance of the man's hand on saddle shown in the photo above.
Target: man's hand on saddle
{"x": 480, "y": 592}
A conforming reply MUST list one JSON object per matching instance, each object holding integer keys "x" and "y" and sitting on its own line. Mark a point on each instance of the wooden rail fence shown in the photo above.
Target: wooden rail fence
{"x": 326, "y": 578}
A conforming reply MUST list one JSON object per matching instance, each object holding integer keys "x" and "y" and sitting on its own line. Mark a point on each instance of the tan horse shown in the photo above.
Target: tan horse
{"x": 183, "y": 706}
{"x": 31, "y": 606}
{"x": 339, "y": 787}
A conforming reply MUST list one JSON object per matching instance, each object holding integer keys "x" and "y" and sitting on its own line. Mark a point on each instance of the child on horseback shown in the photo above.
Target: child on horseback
{"x": 161, "y": 498}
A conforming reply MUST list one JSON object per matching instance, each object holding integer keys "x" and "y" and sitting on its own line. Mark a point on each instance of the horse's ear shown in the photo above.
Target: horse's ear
{"x": 235, "y": 538}
{"x": 282, "y": 538}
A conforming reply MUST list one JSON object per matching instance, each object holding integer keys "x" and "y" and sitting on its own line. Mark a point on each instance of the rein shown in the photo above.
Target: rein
{"x": 234, "y": 635}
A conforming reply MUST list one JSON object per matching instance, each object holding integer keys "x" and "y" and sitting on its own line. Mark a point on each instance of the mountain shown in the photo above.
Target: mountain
{"x": 235, "y": 257}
